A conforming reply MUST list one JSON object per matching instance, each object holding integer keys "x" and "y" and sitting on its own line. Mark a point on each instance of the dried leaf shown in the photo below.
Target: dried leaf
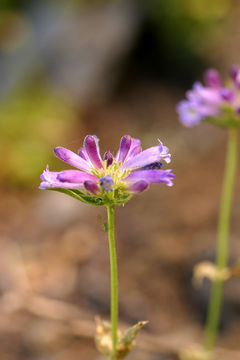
{"x": 195, "y": 353}
{"x": 208, "y": 270}
{"x": 125, "y": 343}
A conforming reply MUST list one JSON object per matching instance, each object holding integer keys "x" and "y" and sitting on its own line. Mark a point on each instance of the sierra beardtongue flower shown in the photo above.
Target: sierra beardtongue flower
{"x": 220, "y": 105}
{"x": 214, "y": 102}
{"x": 110, "y": 179}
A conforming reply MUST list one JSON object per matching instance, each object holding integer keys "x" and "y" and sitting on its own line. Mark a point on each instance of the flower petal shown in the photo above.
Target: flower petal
{"x": 50, "y": 181}
{"x": 165, "y": 152}
{"x": 92, "y": 149}
{"x": 151, "y": 176}
{"x": 83, "y": 154}
{"x": 135, "y": 149}
{"x": 157, "y": 165}
{"x": 138, "y": 187}
{"x": 125, "y": 145}
{"x": 91, "y": 186}
{"x": 72, "y": 159}
{"x": 149, "y": 156}
{"x": 75, "y": 176}
{"x": 189, "y": 113}
{"x": 228, "y": 95}
{"x": 212, "y": 79}
{"x": 134, "y": 143}
{"x": 108, "y": 156}
{"x": 204, "y": 95}
{"x": 235, "y": 75}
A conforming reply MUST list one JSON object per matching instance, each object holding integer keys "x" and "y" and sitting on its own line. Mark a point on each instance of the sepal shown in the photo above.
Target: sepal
{"x": 76, "y": 194}
{"x": 94, "y": 200}
{"x": 228, "y": 119}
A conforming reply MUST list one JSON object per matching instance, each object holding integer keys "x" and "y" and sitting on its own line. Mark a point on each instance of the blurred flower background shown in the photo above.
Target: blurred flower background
{"x": 109, "y": 68}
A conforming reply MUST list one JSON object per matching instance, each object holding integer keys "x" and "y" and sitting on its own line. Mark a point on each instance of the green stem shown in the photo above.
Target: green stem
{"x": 114, "y": 279}
{"x": 215, "y": 304}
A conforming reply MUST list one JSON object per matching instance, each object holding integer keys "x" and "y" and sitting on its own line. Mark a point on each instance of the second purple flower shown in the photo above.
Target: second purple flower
{"x": 214, "y": 102}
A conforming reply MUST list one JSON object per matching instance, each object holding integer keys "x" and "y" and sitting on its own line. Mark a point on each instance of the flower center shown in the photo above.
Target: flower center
{"x": 113, "y": 172}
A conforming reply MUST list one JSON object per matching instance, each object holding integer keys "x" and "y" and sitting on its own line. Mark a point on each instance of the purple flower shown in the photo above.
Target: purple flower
{"x": 211, "y": 101}
{"x": 213, "y": 79}
{"x": 111, "y": 179}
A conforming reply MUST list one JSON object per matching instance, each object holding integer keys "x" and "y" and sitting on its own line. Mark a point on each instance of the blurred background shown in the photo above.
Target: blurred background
{"x": 71, "y": 68}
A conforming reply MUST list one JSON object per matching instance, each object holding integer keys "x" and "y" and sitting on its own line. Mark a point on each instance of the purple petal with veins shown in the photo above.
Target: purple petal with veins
{"x": 135, "y": 143}
{"x": 72, "y": 159}
{"x": 50, "y": 180}
{"x": 138, "y": 187}
{"x": 151, "y": 176}
{"x": 92, "y": 149}
{"x": 83, "y": 154}
{"x": 147, "y": 157}
{"x": 75, "y": 176}
{"x": 91, "y": 186}
{"x": 125, "y": 145}
{"x": 134, "y": 151}
{"x": 108, "y": 156}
